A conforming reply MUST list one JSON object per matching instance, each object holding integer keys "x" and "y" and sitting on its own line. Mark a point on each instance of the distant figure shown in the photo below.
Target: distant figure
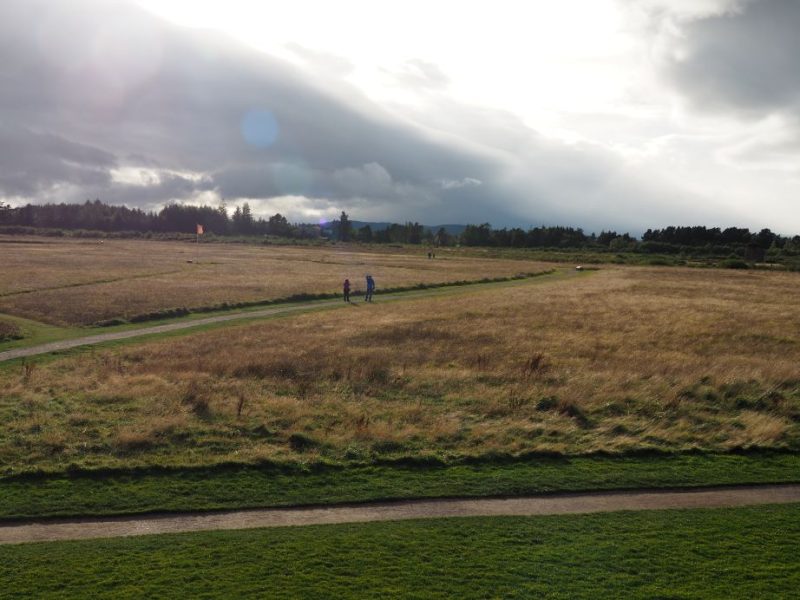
{"x": 346, "y": 289}
{"x": 429, "y": 255}
{"x": 370, "y": 288}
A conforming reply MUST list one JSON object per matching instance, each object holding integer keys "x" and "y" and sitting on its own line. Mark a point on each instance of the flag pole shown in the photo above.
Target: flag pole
{"x": 197, "y": 233}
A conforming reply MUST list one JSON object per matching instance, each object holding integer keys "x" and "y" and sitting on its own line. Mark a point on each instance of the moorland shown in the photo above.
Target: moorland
{"x": 74, "y": 282}
{"x": 619, "y": 360}
{"x": 615, "y": 377}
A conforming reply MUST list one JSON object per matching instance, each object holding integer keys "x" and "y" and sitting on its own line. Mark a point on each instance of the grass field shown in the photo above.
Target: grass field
{"x": 626, "y": 377}
{"x": 623, "y": 360}
{"x": 79, "y": 282}
{"x": 720, "y": 553}
{"x": 240, "y": 486}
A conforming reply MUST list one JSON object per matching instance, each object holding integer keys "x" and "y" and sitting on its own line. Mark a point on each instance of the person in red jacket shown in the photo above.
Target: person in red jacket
{"x": 346, "y": 289}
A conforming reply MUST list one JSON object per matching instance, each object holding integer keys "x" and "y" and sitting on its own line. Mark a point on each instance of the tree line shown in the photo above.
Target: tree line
{"x": 172, "y": 218}
{"x": 98, "y": 216}
{"x": 671, "y": 240}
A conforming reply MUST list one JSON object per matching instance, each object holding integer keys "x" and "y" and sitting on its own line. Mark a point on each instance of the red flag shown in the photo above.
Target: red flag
{"x": 199, "y": 229}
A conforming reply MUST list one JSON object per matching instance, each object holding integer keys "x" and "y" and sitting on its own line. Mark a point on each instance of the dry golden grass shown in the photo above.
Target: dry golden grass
{"x": 74, "y": 282}
{"x": 621, "y": 360}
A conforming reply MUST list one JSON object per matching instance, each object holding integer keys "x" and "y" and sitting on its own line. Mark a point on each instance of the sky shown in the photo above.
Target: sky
{"x": 601, "y": 114}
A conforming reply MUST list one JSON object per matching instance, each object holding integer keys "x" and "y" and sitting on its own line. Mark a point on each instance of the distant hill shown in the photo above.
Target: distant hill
{"x": 381, "y": 225}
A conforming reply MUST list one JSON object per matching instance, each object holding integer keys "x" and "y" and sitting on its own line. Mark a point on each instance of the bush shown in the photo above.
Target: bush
{"x": 573, "y": 411}
{"x": 168, "y": 313}
{"x": 733, "y": 263}
{"x": 658, "y": 262}
{"x": 111, "y": 322}
{"x": 128, "y": 441}
{"x": 9, "y": 331}
{"x": 547, "y": 403}
{"x": 196, "y": 400}
{"x": 300, "y": 442}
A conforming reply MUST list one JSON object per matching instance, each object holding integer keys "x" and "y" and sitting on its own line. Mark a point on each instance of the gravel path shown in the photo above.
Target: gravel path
{"x": 180, "y": 325}
{"x": 190, "y": 324}
{"x": 87, "y": 528}
{"x": 132, "y": 333}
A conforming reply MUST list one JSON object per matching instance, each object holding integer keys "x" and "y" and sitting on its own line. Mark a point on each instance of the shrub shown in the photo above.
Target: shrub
{"x": 574, "y": 411}
{"x": 734, "y": 263}
{"x": 377, "y": 374}
{"x": 300, "y": 442}
{"x": 196, "y": 400}
{"x": 356, "y": 452}
{"x": 111, "y": 322}
{"x": 547, "y": 403}
{"x": 388, "y": 446}
{"x": 9, "y": 331}
{"x": 658, "y": 262}
{"x": 169, "y": 313}
{"x": 132, "y": 441}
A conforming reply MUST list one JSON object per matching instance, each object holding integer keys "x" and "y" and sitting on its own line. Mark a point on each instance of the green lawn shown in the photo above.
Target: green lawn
{"x": 33, "y": 333}
{"x": 720, "y": 553}
{"x": 119, "y": 492}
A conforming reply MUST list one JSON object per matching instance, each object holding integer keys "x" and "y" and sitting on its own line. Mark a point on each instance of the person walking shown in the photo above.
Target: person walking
{"x": 346, "y": 290}
{"x": 370, "y": 288}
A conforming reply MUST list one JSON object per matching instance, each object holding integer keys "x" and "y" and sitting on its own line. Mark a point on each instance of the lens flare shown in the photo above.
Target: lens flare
{"x": 259, "y": 128}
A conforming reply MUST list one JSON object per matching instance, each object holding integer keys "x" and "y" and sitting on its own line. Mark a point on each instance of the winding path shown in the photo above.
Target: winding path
{"x": 101, "y": 338}
{"x": 556, "y": 504}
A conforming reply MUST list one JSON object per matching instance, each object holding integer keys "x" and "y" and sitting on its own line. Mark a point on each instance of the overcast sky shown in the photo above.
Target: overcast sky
{"x": 592, "y": 113}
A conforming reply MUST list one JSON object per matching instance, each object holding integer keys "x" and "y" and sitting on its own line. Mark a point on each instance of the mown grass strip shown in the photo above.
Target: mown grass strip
{"x": 34, "y": 333}
{"x": 232, "y": 486}
{"x": 85, "y": 283}
{"x": 700, "y": 553}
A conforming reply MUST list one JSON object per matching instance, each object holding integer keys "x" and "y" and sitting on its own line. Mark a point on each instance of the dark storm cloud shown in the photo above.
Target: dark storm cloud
{"x": 33, "y": 162}
{"x": 743, "y": 60}
{"x": 186, "y": 102}
{"x": 95, "y": 88}
{"x": 168, "y": 187}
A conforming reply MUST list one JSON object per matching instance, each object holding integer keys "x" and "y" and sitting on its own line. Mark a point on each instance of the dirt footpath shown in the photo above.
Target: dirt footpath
{"x": 86, "y": 528}
{"x": 101, "y": 338}
{"x": 183, "y": 324}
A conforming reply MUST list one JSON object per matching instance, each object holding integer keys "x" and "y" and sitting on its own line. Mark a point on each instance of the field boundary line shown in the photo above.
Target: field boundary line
{"x": 85, "y": 284}
{"x": 558, "y": 504}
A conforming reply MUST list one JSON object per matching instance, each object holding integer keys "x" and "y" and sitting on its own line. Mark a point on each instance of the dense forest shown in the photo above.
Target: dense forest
{"x": 173, "y": 218}
{"x": 94, "y": 216}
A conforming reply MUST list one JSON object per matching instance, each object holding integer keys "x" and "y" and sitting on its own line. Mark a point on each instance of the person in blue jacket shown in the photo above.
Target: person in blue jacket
{"x": 370, "y": 288}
